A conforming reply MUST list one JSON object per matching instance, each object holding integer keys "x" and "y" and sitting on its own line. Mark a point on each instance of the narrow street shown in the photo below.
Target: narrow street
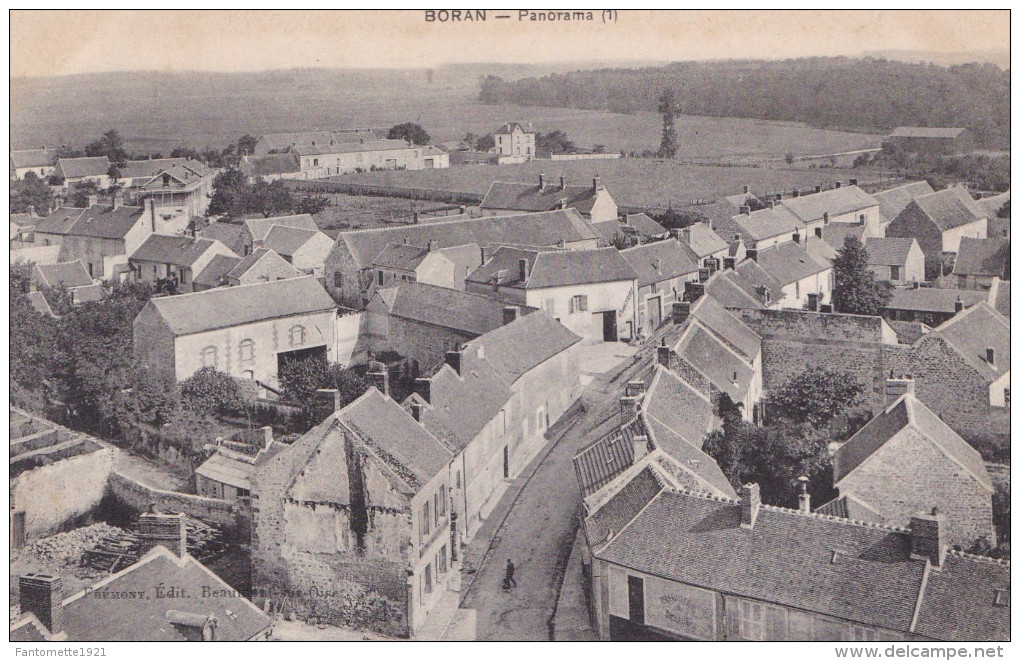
{"x": 538, "y": 533}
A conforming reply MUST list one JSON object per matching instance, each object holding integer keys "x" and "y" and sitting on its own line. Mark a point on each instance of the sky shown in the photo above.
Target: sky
{"x": 71, "y": 42}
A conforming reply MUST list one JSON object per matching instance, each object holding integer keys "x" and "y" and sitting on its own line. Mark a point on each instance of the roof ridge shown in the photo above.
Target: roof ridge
{"x": 979, "y": 558}
{"x": 220, "y": 289}
{"x": 450, "y": 222}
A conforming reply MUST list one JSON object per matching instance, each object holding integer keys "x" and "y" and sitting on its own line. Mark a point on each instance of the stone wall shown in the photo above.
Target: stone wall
{"x": 139, "y": 496}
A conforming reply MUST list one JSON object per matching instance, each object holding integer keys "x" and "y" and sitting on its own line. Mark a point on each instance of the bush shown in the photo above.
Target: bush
{"x": 209, "y": 391}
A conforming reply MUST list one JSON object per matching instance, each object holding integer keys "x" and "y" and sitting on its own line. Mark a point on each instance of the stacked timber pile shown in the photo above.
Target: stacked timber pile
{"x": 119, "y": 548}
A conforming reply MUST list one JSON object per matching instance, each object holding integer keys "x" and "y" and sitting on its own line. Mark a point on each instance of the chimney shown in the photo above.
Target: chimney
{"x": 416, "y": 218}
{"x": 462, "y": 209}
{"x": 541, "y": 181}
{"x": 483, "y": 254}
{"x": 423, "y": 386}
{"x": 266, "y": 437}
{"x": 455, "y": 358}
{"x": 825, "y": 218}
{"x": 693, "y": 291}
{"x": 853, "y": 182}
{"x": 928, "y": 537}
{"x": 838, "y": 184}
{"x": 772, "y": 204}
{"x": 804, "y": 499}
{"x": 635, "y": 388}
{"x": 896, "y": 388}
{"x": 958, "y": 305}
{"x": 818, "y": 189}
{"x": 729, "y": 263}
{"x": 327, "y": 400}
{"x": 990, "y": 355}
{"x": 662, "y": 354}
{"x": 745, "y": 210}
{"x": 166, "y": 530}
{"x": 31, "y": 210}
{"x": 795, "y": 193}
{"x": 628, "y": 407}
{"x": 779, "y": 198}
{"x": 752, "y": 254}
{"x": 522, "y": 269}
{"x": 416, "y": 408}
{"x": 595, "y": 184}
{"x": 796, "y": 238}
{"x": 42, "y": 595}
{"x": 681, "y": 310}
{"x": 150, "y": 209}
{"x": 433, "y": 245}
{"x": 379, "y": 376}
{"x": 509, "y": 314}
{"x": 747, "y": 189}
{"x": 750, "y": 501}
{"x": 703, "y": 275}
{"x": 563, "y": 182}
{"x": 640, "y": 446}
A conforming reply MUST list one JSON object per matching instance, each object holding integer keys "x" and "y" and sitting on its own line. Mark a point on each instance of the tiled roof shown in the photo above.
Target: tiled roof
{"x": 228, "y": 470}
{"x": 703, "y": 240}
{"x": 106, "y": 222}
{"x": 930, "y": 299}
{"x": 623, "y": 506}
{"x": 510, "y": 126}
{"x": 763, "y": 224}
{"x": 543, "y": 229}
{"x": 789, "y": 263}
{"x": 972, "y": 332}
{"x": 849, "y": 507}
{"x": 39, "y": 302}
{"x": 89, "y": 166}
{"x": 255, "y": 166}
{"x": 554, "y": 268}
{"x": 463, "y": 404}
{"x": 529, "y": 197}
{"x": 87, "y": 618}
{"x": 284, "y": 141}
{"x": 36, "y": 254}
{"x": 672, "y": 402}
{"x": 690, "y": 467}
{"x": 229, "y": 234}
{"x": 907, "y": 411}
{"x": 892, "y": 251}
{"x": 926, "y": 132}
{"x": 732, "y": 291}
{"x": 602, "y": 461}
{"x": 963, "y": 601}
{"x": 24, "y": 219}
{"x": 164, "y": 249}
{"x": 257, "y": 255}
{"x": 148, "y": 168}
{"x": 658, "y": 261}
{"x": 894, "y": 200}
{"x": 215, "y": 273}
{"x": 949, "y": 208}
{"x": 982, "y": 257}
{"x": 33, "y": 158}
{"x": 233, "y": 306}
{"x": 835, "y": 234}
{"x": 68, "y": 274}
{"x": 28, "y": 629}
{"x": 288, "y": 240}
{"x": 834, "y": 201}
{"x": 351, "y": 147}
{"x": 444, "y": 307}
{"x": 1002, "y": 299}
{"x": 59, "y": 221}
{"x": 89, "y": 293}
{"x": 400, "y": 257}
{"x": 258, "y": 228}
{"x": 518, "y": 347}
{"x": 715, "y": 360}
{"x": 993, "y": 203}
{"x": 732, "y": 330}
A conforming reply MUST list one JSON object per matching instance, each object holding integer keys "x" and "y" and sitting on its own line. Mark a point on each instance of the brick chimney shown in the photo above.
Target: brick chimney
{"x": 541, "y": 181}
{"x": 433, "y": 245}
{"x": 635, "y": 388}
{"x": 662, "y": 354}
{"x": 825, "y": 218}
{"x": 595, "y": 184}
{"x": 167, "y": 530}
{"x": 745, "y": 210}
{"x": 747, "y": 189}
{"x": 750, "y": 502}
{"x": 415, "y": 217}
{"x": 455, "y": 359}
{"x": 796, "y": 238}
{"x": 629, "y": 407}
{"x": 379, "y": 376}
{"x": 818, "y": 232}
{"x": 752, "y": 254}
{"x": 704, "y": 274}
{"x": 423, "y": 386}
{"x": 958, "y": 305}
{"x": 118, "y": 199}
{"x": 640, "y": 446}
{"x": 896, "y": 388}
{"x": 818, "y": 189}
{"x": 509, "y": 314}
{"x": 853, "y": 182}
{"x": 42, "y": 595}
{"x": 327, "y": 400}
{"x": 563, "y": 182}
{"x": 693, "y": 291}
{"x": 416, "y": 408}
{"x": 150, "y": 210}
{"x": 729, "y": 263}
{"x": 838, "y": 184}
{"x": 928, "y": 537}
{"x": 681, "y": 311}
{"x": 804, "y": 499}
{"x": 522, "y": 269}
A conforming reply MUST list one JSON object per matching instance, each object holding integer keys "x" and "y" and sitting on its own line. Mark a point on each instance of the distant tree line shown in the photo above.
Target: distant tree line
{"x": 839, "y": 92}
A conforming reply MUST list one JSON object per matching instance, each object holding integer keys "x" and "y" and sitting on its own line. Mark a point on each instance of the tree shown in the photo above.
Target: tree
{"x": 230, "y": 191}
{"x": 246, "y": 144}
{"x": 209, "y": 391}
{"x": 110, "y": 145}
{"x": 670, "y": 145}
{"x": 270, "y": 199}
{"x": 677, "y": 218}
{"x": 300, "y": 378}
{"x": 312, "y": 204}
{"x": 82, "y": 192}
{"x": 411, "y": 132}
{"x": 598, "y": 149}
{"x": 153, "y": 398}
{"x": 113, "y": 172}
{"x": 554, "y": 142}
{"x": 816, "y": 396}
{"x": 469, "y": 141}
{"x": 30, "y": 192}
{"x": 857, "y": 291}
{"x": 32, "y": 335}
{"x": 490, "y": 90}
{"x": 485, "y": 142}
{"x": 1003, "y": 211}
{"x": 185, "y": 152}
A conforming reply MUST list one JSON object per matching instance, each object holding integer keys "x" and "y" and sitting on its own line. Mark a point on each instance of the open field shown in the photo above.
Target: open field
{"x": 633, "y": 182}
{"x": 158, "y": 111}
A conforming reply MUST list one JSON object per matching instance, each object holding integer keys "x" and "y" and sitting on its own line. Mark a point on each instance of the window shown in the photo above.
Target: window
{"x": 540, "y": 419}
{"x": 750, "y": 620}
{"x": 864, "y": 218}
{"x": 579, "y": 303}
{"x": 441, "y": 560}
{"x": 209, "y": 357}
{"x": 797, "y": 289}
{"x": 247, "y": 348}
{"x": 863, "y": 633}
{"x": 440, "y": 503}
{"x": 380, "y": 278}
{"x": 426, "y": 520}
{"x": 894, "y": 273}
{"x": 458, "y": 472}
{"x": 297, "y": 335}
{"x": 428, "y": 579}
{"x": 338, "y": 279}
{"x": 315, "y": 162}
{"x": 184, "y": 276}
{"x": 550, "y": 306}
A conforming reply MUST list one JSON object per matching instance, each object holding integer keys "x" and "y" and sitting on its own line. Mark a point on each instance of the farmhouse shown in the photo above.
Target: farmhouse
{"x": 803, "y": 280}
{"x": 704, "y": 245}
{"x": 246, "y": 331}
{"x": 400, "y": 262}
{"x": 938, "y": 221}
{"x": 894, "y": 200}
{"x": 103, "y": 237}
{"x": 326, "y": 160}
{"x": 593, "y": 202}
{"x": 842, "y": 204}
{"x": 896, "y": 260}
{"x": 40, "y": 162}
{"x": 271, "y": 167}
{"x": 929, "y": 305}
{"x": 262, "y": 265}
{"x": 305, "y": 249}
{"x": 634, "y": 227}
{"x": 174, "y": 259}
{"x": 283, "y": 142}
{"x": 215, "y": 272}
{"x": 86, "y": 169}
{"x": 932, "y": 140}
{"x": 980, "y": 261}
{"x": 257, "y": 229}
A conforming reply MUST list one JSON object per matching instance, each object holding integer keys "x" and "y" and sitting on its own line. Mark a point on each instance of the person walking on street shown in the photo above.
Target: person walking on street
{"x": 509, "y": 580}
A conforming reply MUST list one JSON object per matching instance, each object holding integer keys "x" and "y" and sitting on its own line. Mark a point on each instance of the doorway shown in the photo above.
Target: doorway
{"x": 654, "y": 305}
{"x": 608, "y": 325}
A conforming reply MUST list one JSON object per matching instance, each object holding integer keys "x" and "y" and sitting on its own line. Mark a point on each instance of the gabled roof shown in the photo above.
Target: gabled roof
{"x": 762, "y": 224}
{"x": 789, "y": 263}
{"x": 835, "y": 234}
{"x": 255, "y": 257}
{"x": 658, "y": 261}
{"x": 256, "y": 166}
{"x": 33, "y": 158}
{"x": 948, "y": 208}
{"x": 1002, "y": 299}
{"x": 542, "y": 229}
{"x": 258, "y": 228}
{"x": 962, "y": 602}
{"x": 148, "y": 168}
{"x": 905, "y": 412}
{"x": 229, "y": 234}
{"x": 510, "y": 127}
{"x": 930, "y": 299}
{"x": 39, "y": 302}
{"x": 992, "y": 203}
{"x": 850, "y": 507}
{"x": 516, "y": 348}
{"x": 677, "y": 407}
{"x": 288, "y": 240}
{"x": 834, "y": 201}
{"x": 718, "y": 363}
{"x": 444, "y": 307}
{"x": 529, "y": 197}
{"x": 711, "y": 314}
{"x": 37, "y": 254}
{"x": 894, "y": 200}
{"x": 553, "y": 268}
{"x": 982, "y": 257}
{"x": 87, "y": 618}
{"x": 891, "y": 251}
{"x": 88, "y": 166}
{"x": 59, "y": 221}
{"x": 215, "y": 272}
{"x": 233, "y": 306}
{"x": 926, "y": 132}
{"x": 284, "y": 141}
{"x": 400, "y": 257}
{"x": 703, "y": 240}
{"x": 600, "y": 462}
{"x": 733, "y": 291}
{"x": 621, "y": 508}
{"x": 461, "y": 405}
{"x": 106, "y": 222}
{"x": 971, "y": 332}
{"x": 68, "y": 274}
{"x": 351, "y": 147}
{"x": 178, "y": 250}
